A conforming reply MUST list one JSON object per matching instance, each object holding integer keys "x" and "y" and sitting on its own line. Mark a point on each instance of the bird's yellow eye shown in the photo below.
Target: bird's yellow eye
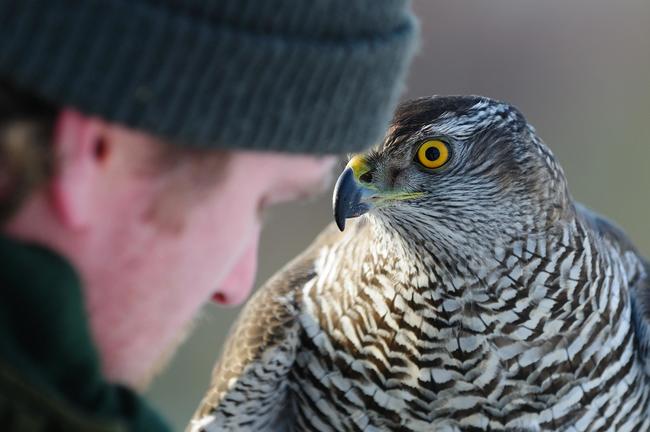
{"x": 433, "y": 154}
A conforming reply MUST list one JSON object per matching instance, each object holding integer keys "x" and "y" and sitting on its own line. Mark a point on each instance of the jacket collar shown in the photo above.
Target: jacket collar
{"x": 44, "y": 335}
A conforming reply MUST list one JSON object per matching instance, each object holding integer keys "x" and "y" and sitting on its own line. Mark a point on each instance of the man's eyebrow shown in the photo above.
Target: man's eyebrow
{"x": 296, "y": 191}
{"x": 313, "y": 188}
{"x": 299, "y": 188}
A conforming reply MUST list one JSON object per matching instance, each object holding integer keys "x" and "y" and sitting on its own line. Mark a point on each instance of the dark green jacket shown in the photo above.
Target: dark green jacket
{"x": 50, "y": 379}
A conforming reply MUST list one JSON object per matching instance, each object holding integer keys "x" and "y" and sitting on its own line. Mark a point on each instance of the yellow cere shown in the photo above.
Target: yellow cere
{"x": 358, "y": 165}
{"x": 433, "y": 154}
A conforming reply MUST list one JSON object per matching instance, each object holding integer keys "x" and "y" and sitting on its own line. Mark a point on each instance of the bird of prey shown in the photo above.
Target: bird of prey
{"x": 467, "y": 291}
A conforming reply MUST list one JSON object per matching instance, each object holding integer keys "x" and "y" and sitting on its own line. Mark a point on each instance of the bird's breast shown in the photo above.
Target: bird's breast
{"x": 388, "y": 349}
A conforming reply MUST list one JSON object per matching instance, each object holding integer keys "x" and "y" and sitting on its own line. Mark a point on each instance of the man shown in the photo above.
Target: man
{"x": 139, "y": 143}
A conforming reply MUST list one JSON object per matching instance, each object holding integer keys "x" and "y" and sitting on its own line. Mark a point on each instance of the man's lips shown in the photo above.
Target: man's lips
{"x": 236, "y": 287}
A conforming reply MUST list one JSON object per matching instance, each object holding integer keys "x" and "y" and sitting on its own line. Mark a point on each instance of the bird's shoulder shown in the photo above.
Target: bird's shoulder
{"x": 638, "y": 276}
{"x": 261, "y": 345}
{"x": 605, "y": 228}
{"x": 636, "y": 265}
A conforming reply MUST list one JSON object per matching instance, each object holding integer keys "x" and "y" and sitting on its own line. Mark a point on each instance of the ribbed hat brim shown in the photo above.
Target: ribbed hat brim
{"x": 205, "y": 82}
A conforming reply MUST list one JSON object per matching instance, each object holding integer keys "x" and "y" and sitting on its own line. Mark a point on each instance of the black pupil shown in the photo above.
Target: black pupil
{"x": 432, "y": 153}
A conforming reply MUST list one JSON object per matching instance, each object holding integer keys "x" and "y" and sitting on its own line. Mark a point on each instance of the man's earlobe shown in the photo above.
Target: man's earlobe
{"x": 81, "y": 148}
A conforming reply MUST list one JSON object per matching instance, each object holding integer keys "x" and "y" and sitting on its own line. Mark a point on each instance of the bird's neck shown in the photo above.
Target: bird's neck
{"x": 516, "y": 285}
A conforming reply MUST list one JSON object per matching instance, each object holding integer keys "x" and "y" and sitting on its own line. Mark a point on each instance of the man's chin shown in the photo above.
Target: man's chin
{"x": 164, "y": 358}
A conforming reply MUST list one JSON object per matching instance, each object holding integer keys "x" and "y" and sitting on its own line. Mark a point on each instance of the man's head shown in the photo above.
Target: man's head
{"x": 154, "y": 230}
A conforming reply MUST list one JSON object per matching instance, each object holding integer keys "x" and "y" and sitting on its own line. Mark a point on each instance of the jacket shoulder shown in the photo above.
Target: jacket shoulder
{"x": 26, "y": 408}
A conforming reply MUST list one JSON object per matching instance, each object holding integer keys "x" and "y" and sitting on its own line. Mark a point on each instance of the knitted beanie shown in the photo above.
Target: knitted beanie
{"x": 307, "y": 76}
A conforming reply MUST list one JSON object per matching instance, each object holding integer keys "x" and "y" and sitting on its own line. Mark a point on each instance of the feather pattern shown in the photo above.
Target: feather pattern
{"x": 493, "y": 303}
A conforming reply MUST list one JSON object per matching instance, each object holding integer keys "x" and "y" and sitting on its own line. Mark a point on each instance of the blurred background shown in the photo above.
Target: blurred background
{"x": 580, "y": 72}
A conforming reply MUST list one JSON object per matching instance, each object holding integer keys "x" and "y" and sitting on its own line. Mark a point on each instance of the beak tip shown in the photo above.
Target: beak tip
{"x": 347, "y": 198}
{"x": 339, "y": 201}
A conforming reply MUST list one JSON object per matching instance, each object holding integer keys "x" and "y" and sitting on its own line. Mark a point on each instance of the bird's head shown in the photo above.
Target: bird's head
{"x": 455, "y": 169}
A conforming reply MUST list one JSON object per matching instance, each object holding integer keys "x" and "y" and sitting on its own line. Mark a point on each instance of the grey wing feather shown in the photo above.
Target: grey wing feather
{"x": 640, "y": 294}
{"x": 638, "y": 276}
{"x": 249, "y": 385}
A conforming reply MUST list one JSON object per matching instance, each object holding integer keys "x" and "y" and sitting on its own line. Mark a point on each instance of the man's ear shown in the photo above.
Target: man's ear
{"x": 81, "y": 149}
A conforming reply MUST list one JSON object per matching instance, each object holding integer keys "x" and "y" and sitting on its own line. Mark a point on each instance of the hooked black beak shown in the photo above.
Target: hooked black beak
{"x": 347, "y": 199}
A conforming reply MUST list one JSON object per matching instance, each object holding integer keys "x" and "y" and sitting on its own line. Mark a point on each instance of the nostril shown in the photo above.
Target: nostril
{"x": 366, "y": 177}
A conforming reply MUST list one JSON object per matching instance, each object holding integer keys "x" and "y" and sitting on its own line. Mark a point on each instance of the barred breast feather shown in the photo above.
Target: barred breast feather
{"x": 353, "y": 337}
{"x": 468, "y": 292}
